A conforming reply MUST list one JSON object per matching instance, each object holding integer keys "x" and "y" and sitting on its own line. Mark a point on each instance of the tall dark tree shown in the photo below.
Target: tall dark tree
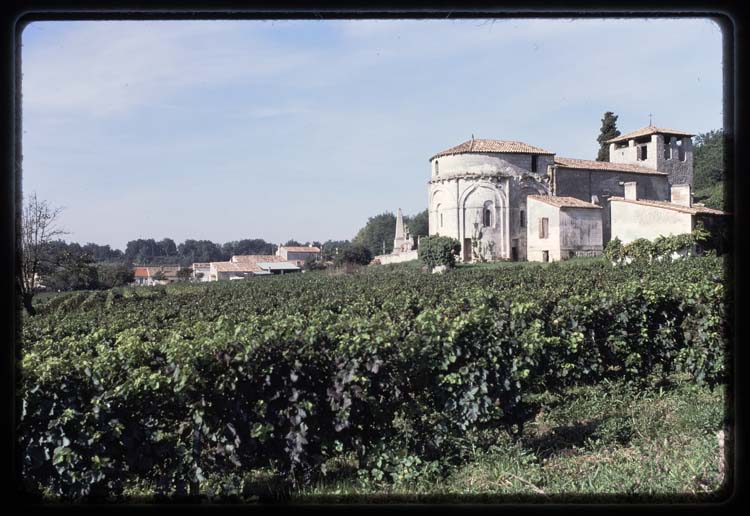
{"x": 377, "y": 235}
{"x": 608, "y": 131}
{"x": 708, "y": 169}
{"x": 419, "y": 224}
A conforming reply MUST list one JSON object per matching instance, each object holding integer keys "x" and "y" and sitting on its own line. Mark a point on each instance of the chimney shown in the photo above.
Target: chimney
{"x": 631, "y": 191}
{"x": 680, "y": 194}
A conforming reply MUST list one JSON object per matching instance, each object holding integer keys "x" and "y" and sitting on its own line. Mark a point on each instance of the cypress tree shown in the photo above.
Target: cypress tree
{"x": 608, "y": 131}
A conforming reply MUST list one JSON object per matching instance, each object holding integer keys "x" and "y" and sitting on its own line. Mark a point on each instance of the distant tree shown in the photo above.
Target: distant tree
{"x": 379, "y": 229}
{"x": 38, "y": 229}
{"x": 292, "y": 243}
{"x": 184, "y": 273}
{"x": 311, "y": 264}
{"x": 166, "y": 247}
{"x": 75, "y": 270}
{"x": 330, "y": 248}
{"x": 708, "y": 169}
{"x": 103, "y": 253}
{"x": 608, "y": 131}
{"x": 419, "y": 224}
{"x": 201, "y": 251}
{"x": 354, "y": 254}
{"x": 159, "y": 276}
{"x": 110, "y": 275}
{"x": 248, "y": 246}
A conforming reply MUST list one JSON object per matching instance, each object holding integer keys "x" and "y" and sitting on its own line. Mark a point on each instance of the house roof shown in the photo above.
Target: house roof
{"x": 300, "y": 249}
{"x": 234, "y": 267}
{"x": 277, "y": 266}
{"x": 563, "y": 202}
{"x": 253, "y": 258}
{"x": 248, "y": 263}
{"x": 587, "y": 164}
{"x": 651, "y": 129}
{"x": 170, "y": 271}
{"x": 140, "y": 272}
{"x": 692, "y": 210}
{"x": 484, "y": 146}
{"x": 201, "y": 265}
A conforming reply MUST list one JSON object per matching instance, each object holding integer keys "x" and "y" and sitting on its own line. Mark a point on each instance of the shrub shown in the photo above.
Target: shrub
{"x": 438, "y": 250}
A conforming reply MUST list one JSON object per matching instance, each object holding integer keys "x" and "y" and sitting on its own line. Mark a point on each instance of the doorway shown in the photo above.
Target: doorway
{"x": 467, "y": 249}
{"x": 545, "y": 256}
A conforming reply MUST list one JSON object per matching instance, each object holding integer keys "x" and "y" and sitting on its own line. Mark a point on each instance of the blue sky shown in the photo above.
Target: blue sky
{"x": 224, "y": 130}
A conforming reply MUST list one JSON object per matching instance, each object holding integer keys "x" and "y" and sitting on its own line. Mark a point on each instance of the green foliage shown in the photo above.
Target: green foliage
{"x": 608, "y": 131}
{"x": 379, "y": 229}
{"x": 354, "y": 254}
{"x": 709, "y": 169}
{"x": 179, "y": 386}
{"x": 418, "y": 224}
{"x": 438, "y": 250}
{"x": 708, "y": 159}
{"x": 645, "y": 251}
{"x": 184, "y": 273}
{"x": 111, "y": 275}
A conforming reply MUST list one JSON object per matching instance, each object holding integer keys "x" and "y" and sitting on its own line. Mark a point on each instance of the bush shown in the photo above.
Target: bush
{"x": 354, "y": 254}
{"x": 435, "y": 251}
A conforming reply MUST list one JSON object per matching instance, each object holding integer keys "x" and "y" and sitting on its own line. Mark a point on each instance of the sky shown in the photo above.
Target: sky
{"x": 303, "y": 129}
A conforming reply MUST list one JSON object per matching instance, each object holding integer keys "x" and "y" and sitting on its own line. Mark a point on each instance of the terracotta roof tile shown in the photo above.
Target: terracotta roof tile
{"x": 234, "y": 267}
{"x": 647, "y": 131}
{"x": 254, "y": 258}
{"x": 563, "y": 202}
{"x": 587, "y": 164}
{"x": 693, "y": 210}
{"x": 484, "y": 146}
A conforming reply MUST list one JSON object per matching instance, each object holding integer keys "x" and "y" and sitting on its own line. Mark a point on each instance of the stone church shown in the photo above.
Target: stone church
{"x": 511, "y": 200}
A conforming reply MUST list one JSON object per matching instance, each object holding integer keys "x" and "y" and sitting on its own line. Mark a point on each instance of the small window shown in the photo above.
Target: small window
{"x": 522, "y": 219}
{"x": 667, "y": 150}
{"x": 437, "y": 168}
{"x": 534, "y": 162}
{"x": 642, "y": 152}
{"x": 441, "y": 220}
{"x": 680, "y": 150}
{"x": 487, "y": 215}
{"x": 544, "y": 227}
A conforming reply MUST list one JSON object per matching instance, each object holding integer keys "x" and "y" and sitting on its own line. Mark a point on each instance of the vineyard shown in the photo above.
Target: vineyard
{"x": 184, "y": 387}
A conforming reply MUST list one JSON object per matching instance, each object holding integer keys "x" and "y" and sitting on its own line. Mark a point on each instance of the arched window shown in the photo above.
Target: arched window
{"x": 487, "y": 214}
{"x": 437, "y": 169}
{"x": 439, "y": 214}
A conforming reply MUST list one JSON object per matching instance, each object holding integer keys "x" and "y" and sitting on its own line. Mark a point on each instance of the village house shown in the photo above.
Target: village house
{"x": 245, "y": 266}
{"x": 298, "y": 254}
{"x": 145, "y": 275}
{"x": 562, "y": 227}
{"x": 633, "y": 218}
{"x": 200, "y": 271}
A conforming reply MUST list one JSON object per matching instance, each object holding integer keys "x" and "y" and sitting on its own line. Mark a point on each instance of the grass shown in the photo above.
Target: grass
{"x": 603, "y": 443}
{"x": 607, "y": 443}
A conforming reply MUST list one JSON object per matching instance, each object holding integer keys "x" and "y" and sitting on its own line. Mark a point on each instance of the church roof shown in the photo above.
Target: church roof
{"x": 651, "y": 129}
{"x": 588, "y": 164}
{"x": 484, "y": 146}
{"x": 693, "y": 210}
{"x": 563, "y": 202}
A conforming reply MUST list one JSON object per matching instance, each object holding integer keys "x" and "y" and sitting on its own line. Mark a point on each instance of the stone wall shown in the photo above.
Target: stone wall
{"x": 397, "y": 258}
{"x": 538, "y": 210}
{"x": 631, "y": 221}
